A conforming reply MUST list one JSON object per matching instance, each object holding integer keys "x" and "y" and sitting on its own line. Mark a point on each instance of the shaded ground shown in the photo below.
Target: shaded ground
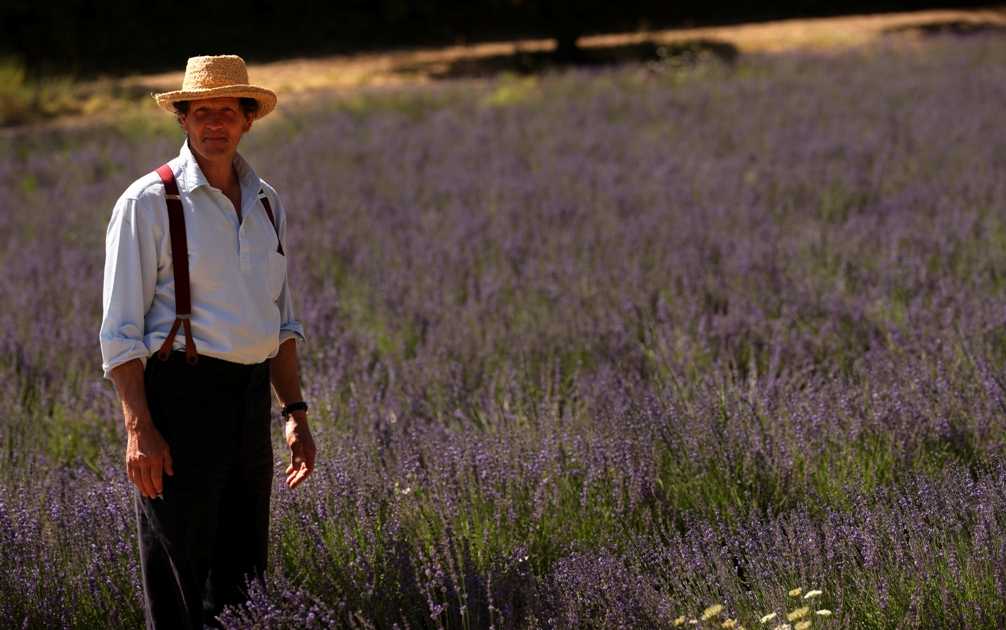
{"x": 533, "y": 62}
{"x": 423, "y": 65}
{"x": 296, "y": 79}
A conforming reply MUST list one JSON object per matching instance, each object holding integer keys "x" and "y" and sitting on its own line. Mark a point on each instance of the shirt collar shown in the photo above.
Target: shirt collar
{"x": 192, "y": 176}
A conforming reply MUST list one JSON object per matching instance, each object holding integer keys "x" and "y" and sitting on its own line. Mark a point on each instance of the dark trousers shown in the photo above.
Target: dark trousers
{"x": 209, "y": 534}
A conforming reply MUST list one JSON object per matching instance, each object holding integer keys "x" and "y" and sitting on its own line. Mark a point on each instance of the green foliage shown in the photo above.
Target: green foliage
{"x": 73, "y": 438}
{"x": 412, "y": 104}
{"x": 23, "y": 100}
{"x": 15, "y": 95}
{"x": 512, "y": 90}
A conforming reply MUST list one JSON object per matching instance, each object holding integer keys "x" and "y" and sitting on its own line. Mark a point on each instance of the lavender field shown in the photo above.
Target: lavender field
{"x": 595, "y": 349}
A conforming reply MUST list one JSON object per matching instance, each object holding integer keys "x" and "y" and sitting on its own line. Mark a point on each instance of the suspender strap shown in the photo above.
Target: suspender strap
{"x": 180, "y": 265}
{"x": 268, "y": 210}
{"x": 180, "y": 268}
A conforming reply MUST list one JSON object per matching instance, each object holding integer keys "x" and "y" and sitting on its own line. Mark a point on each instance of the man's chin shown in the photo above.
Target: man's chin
{"x": 215, "y": 149}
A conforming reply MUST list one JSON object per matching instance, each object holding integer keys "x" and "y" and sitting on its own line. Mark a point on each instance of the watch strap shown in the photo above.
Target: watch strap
{"x": 300, "y": 405}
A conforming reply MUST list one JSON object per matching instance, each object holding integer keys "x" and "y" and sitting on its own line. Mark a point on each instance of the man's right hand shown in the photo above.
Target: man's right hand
{"x": 147, "y": 458}
{"x": 147, "y": 454}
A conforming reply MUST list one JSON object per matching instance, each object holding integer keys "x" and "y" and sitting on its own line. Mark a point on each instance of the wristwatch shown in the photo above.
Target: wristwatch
{"x": 300, "y": 405}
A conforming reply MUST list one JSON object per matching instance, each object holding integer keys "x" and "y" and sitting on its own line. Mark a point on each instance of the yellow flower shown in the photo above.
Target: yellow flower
{"x": 803, "y": 625}
{"x": 796, "y": 592}
{"x": 729, "y": 623}
{"x": 824, "y": 612}
{"x": 767, "y": 618}
{"x": 680, "y": 621}
{"x": 712, "y": 611}
{"x": 812, "y": 594}
{"x": 799, "y": 613}
{"x": 782, "y": 626}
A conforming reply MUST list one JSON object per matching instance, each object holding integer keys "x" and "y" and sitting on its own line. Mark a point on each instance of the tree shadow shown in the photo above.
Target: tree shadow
{"x": 948, "y": 27}
{"x": 538, "y": 61}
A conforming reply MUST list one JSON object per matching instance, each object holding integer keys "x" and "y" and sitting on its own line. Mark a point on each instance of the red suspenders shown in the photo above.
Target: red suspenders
{"x": 180, "y": 265}
{"x": 268, "y": 210}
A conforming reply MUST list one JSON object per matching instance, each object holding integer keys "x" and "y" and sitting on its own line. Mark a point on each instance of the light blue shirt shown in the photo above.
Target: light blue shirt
{"x": 241, "y": 304}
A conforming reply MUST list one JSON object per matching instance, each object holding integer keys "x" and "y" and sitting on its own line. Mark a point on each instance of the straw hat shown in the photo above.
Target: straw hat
{"x": 214, "y": 76}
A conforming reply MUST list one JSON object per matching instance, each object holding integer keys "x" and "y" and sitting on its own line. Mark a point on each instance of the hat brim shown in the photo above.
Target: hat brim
{"x": 266, "y": 98}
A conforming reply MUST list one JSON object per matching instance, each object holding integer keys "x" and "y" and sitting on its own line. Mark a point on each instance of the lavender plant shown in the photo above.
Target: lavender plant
{"x": 590, "y": 349}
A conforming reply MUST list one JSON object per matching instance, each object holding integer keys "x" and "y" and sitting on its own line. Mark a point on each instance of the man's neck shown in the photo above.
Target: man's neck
{"x": 220, "y": 173}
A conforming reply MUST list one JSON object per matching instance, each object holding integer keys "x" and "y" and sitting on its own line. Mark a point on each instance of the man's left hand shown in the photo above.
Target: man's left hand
{"x": 302, "y": 449}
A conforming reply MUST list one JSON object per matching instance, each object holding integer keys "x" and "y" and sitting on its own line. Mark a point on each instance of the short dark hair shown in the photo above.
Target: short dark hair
{"x": 249, "y": 106}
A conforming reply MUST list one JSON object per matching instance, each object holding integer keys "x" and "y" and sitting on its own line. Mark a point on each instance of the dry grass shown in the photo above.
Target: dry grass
{"x": 349, "y": 71}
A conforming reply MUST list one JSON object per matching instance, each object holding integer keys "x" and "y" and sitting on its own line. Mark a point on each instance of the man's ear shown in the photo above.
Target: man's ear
{"x": 248, "y": 122}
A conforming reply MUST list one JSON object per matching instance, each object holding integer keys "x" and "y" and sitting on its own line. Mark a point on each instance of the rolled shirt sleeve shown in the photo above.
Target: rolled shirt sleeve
{"x": 129, "y": 281}
{"x": 289, "y": 326}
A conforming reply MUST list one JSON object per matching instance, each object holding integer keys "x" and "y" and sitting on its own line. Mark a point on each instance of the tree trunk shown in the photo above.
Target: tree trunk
{"x": 566, "y": 48}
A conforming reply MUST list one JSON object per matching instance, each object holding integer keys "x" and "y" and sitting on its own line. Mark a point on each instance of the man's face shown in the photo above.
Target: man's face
{"x": 215, "y": 126}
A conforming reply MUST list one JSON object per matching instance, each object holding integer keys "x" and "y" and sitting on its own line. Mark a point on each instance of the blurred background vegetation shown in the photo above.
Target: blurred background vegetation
{"x": 87, "y": 38}
{"x": 67, "y": 60}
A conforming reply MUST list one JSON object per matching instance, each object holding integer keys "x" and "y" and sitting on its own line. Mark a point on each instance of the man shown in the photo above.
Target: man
{"x": 197, "y": 406}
